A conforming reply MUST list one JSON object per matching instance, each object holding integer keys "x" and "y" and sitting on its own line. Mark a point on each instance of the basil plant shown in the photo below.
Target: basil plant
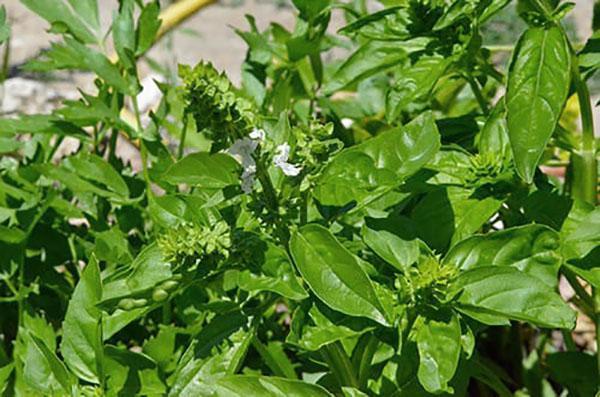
{"x": 384, "y": 210}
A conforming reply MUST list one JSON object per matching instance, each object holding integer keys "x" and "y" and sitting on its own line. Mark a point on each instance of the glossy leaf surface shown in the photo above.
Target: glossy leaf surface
{"x": 538, "y": 84}
{"x": 334, "y": 274}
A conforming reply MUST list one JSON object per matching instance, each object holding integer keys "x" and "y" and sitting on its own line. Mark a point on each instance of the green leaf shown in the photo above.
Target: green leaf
{"x": 146, "y": 271}
{"x": 4, "y": 27}
{"x": 79, "y": 17}
{"x": 510, "y": 293}
{"x": 81, "y": 344}
{"x": 445, "y": 216}
{"x": 394, "y": 250}
{"x": 574, "y": 370}
{"x": 276, "y": 275}
{"x": 334, "y": 274}
{"x": 12, "y": 235}
{"x": 370, "y": 169}
{"x": 492, "y": 9}
{"x": 148, "y": 26}
{"x": 538, "y": 84}
{"x": 33, "y": 372}
{"x": 74, "y": 55}
{"x": 96, "y": 169}
{"x": 217, "y": 351}
{"x": 581, "y": 241}
{"x": 74, "y": 183}
{"x": 457, "y": 11}
{"x": 439, "y": 343}
{"x": 533, "y": 249}
{"x": 310, "y": 9}
{"x": 131, "y": 373}
{"x": 211, "y": 171}
{"x": 316, "y": 326}
{"x": 41, "y": 124}
{"x": 57, "y": 367}
{"x": 580, "y": 230}
{"x": 415, "y": 83}
{"x": 493, "y": 138}
{"x": 123, "y": 31}
{"x": 161, "y": 348}
{"x": 247, "y": 385}
{"x": 5, "y": 373}
{"x": 112, "y": 246}
{"x": 480, "y": 370}
{"x": 87, "y": 10}
{"x": 371, "y": 58}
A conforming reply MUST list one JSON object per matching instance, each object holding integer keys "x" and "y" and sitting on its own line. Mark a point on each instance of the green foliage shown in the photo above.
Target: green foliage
{"x": 378, "y": 225}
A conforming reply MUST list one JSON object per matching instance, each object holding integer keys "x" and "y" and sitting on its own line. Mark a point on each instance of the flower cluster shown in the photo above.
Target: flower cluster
{"x": 216, "y": 106}
{"x": 486, "y": 168}
{"x": 427, "y": 282}
{"x": 190, "y": 240}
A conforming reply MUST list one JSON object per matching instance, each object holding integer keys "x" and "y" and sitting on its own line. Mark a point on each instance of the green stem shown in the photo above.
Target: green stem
{"x": 5, "y": 61}
{"x": 143, "y": 149}
{"x": 265, "y": 181}
{"x": 20, "y": 285}
{"x": 304, "y": 208}
{"x": 271, "y": 361}
{"x": 182, "y": 140}
{"x": 585, "y": 175}
{"x": 579, "y": 290}
{"x": 569, "y": 342}
{"x": 340, "y": 365}
{"x": 500, "y": 47}
{"x": 585, "y": 172}
{"x": 55, "y": 147}
{"x": 364, "y": 370}
{"x": 596, "y": 294}
{"x": 112, "y": 145}
{"x": 167, "y": 313}
{"x": 478, "y": 95}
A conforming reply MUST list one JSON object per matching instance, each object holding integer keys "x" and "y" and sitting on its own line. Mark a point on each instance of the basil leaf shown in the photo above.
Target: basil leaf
{"x": 211, "y": 171}
{"x": 334, "y": 274}
{"x": 394, "y": 250}
{"x": 217, "y": 351}
{"x": 76, "y": 21}
{"x": 538, "y": 84}
{"x": 510, "y": 293}
{"x": 370, "y": 169}
{"x": 439, "y": 343}
{"x": 531, "y": 249}
{"x": 245, "y": 385}
{"x": 371, "y": 58}
{"x": 81, "y": 344}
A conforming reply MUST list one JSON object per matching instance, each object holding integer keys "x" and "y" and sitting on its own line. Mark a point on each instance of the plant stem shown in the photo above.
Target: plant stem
{"x": 267, "y": 185}
{"x": 478, "y": 95}
{"x": 340, "y": 365}
{"x": 182, "y": 139}
{"x": 173, "y": 16}
{"x": 500, "y": 47}
{"x": 5, "y": 61}
{"x": 143, "y": 149}
{"x": 20, "y": 285}
{"x": 585, "y": 175}
{"x": 585, "y": 172}
{"x": 597, "y": 324}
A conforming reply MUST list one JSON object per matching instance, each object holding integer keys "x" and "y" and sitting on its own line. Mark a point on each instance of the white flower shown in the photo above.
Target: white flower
{"x": 281, "y": 160}
{"x": 258, "y": 134}
{"x": 347, "y": 123}
{"x": 248, "y": 177}
{"x": 242, "y": 150}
